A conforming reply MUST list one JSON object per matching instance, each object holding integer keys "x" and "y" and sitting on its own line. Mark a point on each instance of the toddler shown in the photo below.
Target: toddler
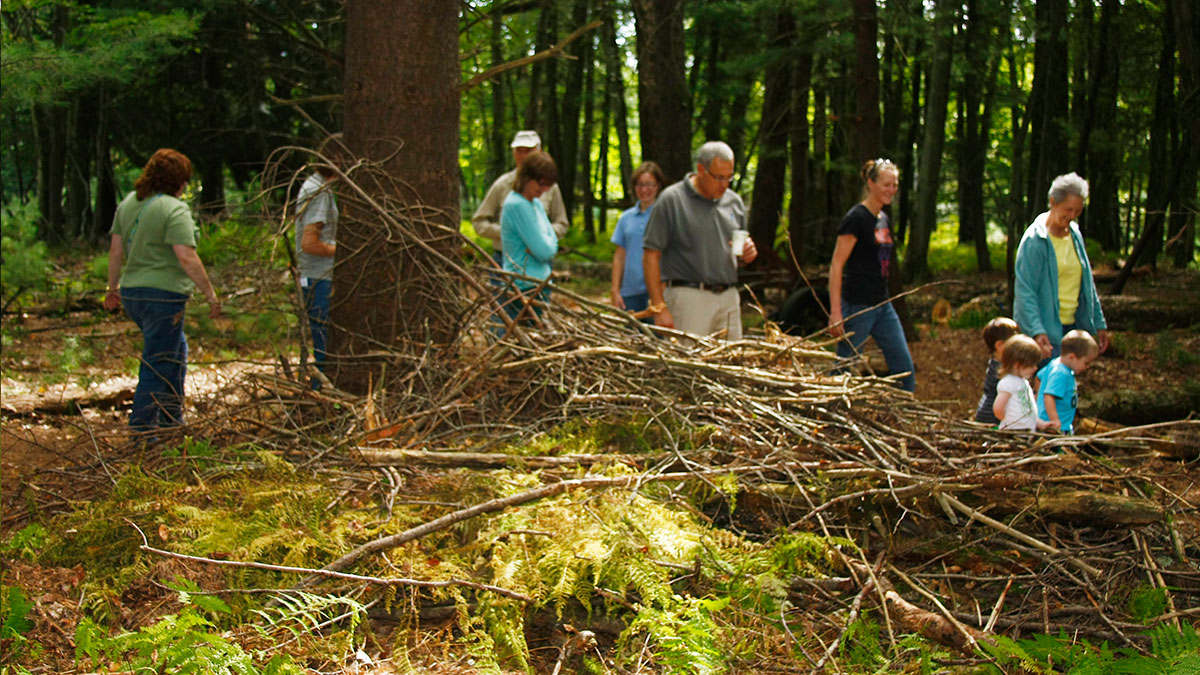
{"x": 995, "y": 333}
{"x": 1014, "y": 405}
{"x": 1057, "y": 396}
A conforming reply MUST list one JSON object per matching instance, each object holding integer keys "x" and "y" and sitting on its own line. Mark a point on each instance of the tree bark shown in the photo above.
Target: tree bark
{"x": 799, "y": 216}
{"x": 567, "y": 153}
{"x": 1159, "y": 183}
{"x": 916, "y": 265}
{"x": 1048, "y": 106}
{"x": 866, "y": 80}
{"x": 771, "y": 177}
{"x": 1100, "y": 142}
{"x": 973, "y": 143}
{"x": 1187, "y": 200}
{"x": 401, "y": 86}
{"x": 499, "y": 139}
{"x": 616, "y": 102}
{"x": 665, "y": 103}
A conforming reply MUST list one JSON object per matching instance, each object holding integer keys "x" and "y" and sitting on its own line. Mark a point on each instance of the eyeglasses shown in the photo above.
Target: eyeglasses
{"x": 643, "y": 184}
{"x": 720, "y": 179}
{"x": 879, "y": 165}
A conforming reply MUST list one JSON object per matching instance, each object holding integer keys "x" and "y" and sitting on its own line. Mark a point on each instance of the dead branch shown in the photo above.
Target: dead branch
{"x": 553, "y": 52}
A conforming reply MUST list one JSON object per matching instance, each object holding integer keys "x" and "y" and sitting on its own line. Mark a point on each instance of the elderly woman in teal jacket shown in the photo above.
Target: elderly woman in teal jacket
{"x": 527, "y": 237}
{"x": 1054, "y": 291}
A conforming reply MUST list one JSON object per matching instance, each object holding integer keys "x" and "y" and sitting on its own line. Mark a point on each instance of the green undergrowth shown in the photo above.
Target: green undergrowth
{"x": 693, "y": 597}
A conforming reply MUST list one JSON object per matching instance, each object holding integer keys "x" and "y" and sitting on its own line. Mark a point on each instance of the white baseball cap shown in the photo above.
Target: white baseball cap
{"x": 527, "y": 139}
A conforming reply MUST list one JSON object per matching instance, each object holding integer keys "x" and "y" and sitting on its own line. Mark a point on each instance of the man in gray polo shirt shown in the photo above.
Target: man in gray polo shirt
{"x": 689, "y": 260}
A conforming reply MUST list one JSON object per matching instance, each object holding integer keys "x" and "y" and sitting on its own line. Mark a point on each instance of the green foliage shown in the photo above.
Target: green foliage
{"x": 102, "y": 46}
{"x": 23, "y": 263}
{"x": 305, "y": 613}
{"x": 1168, "y": 352}
{"x": 182, "y": 643}
{"x": 683, "y": 636}
{"x": 1147, "y": 603}
{"x": 947, "y": 256}
{"x": 26, "y": 542}
{"x": 1172, "y": 651}
{"x": 14, "y": 624}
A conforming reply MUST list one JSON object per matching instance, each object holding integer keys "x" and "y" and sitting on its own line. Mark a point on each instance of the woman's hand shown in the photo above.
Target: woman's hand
{"x": 112, "y": 300}
{"x": 836, "y": 327}
{"x": 1044, "y": 342}
{"x": 617, "y": 301}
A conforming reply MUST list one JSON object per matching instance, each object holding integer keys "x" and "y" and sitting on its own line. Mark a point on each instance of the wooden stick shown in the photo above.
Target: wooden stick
{"x": 1017, "y": 534}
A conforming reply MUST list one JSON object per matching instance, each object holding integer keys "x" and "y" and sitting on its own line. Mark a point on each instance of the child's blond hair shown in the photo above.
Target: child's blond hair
{"x": 999, "y": 329}
{"x": 1020, "y": 350}
{"x": 1080, "y": 343}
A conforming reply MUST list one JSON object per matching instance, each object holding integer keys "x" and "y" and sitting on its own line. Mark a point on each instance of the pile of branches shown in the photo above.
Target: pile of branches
{"x": 960, "y": 531}
{"x": 954, "y": 513}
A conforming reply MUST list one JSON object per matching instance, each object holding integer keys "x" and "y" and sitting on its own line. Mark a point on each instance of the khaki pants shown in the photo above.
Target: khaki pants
{"x": 704, "y": 312}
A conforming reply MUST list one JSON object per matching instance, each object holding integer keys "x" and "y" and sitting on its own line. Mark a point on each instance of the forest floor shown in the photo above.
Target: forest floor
{"x": 68, "y": 375}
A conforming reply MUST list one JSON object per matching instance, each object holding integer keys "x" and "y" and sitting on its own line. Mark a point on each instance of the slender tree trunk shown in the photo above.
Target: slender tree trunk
{"x": 1099, "y": 139}
{"x": 916, "y": 265}
{"x": 81, "y": 127}
{"x": 50, "y": 140}
{"x": 1016, "y": 220}
{"x": 908, "y": 157}
{"x": 499, "y": 138}
{"x": 820, "y": 237}
{"x": 616, "y": 102}
{"x": 800, "y": 219}
{"x": 107, "y": 190}
{"x": 401, "y": 82}
{"x": 866, "y": 79}
{"x": 1049, "y": 105}
{"x": 1187, "y": 196}
{"x": 973, "y": 144}
{"x": 665, "y": 107}
{"x": 770, "y": 180}
{"x": 1158, "y": 187}
{"x": 584, "y": 187}
{"x": 567, "y": 149}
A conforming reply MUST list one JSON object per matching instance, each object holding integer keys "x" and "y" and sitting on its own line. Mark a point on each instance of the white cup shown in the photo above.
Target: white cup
{"x": 739, "y": 242}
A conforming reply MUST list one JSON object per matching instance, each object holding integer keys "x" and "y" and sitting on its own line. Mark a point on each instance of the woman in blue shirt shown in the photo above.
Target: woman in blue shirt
{"x": 628, "y": 279}
{"x": 527, "y": 238}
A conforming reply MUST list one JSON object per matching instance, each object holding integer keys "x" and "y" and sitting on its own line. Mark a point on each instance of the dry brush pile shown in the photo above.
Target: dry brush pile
{"x": 648, "y": 502}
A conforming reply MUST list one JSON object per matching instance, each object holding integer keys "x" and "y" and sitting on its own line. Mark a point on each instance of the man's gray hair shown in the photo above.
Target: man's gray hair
{"x": 1070, "y": 184}
{"x": 714, "y": 150}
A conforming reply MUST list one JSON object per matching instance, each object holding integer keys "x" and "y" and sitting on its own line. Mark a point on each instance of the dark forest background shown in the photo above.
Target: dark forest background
{"x": 981, "y": 103}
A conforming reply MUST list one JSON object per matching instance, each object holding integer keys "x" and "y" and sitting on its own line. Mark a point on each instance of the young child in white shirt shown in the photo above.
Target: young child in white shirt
{"x": 1015, "y": 405}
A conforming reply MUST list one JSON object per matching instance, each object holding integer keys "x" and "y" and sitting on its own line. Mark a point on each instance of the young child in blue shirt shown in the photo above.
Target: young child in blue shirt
{"x": 995, "y": 334}
{"x": 1058, "y": 396}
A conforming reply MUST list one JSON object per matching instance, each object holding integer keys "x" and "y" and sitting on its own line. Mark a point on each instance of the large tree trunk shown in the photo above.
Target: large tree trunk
{"x": 665, "y": 107}
{"x": 771, "y": 177}
{"x": 916, "y": 265}
{"x": 401, "y": 83}
{"x": 1048, "y": 105}
{"x": 1187, "y": 196}
{"x": 973, "y": 144}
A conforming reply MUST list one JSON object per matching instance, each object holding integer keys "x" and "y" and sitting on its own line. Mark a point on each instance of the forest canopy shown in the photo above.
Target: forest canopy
{"x": 980, "y": 104}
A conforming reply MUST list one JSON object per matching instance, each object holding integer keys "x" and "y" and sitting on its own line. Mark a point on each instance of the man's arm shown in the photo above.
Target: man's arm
{"x": 652, "y": 267}
{"x": 312, "y": 244}
{"x": 486, "y": 220}
{"x": 557, "y": 212}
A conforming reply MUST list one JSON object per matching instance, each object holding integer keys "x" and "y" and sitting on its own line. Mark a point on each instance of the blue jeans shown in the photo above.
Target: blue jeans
{"x": 158, "y": 399}
{"x": 316, "y": 301}
{"x": 636, "y": 302}
{"x": 883, "y": 324}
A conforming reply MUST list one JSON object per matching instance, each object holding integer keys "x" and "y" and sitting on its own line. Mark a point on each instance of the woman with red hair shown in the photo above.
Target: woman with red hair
{"x": 152, "y": 269}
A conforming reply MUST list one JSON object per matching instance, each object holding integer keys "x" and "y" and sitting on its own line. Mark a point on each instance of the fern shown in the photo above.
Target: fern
{"x": 1173, "y": 651}
{"x": 306, "y": 613}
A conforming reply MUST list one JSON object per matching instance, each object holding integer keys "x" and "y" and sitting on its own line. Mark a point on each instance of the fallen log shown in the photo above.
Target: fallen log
{"x": 1080, "y": 507}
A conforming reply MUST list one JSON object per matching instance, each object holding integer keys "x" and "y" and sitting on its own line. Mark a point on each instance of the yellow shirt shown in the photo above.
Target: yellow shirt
{"x": 1070, "y": 276}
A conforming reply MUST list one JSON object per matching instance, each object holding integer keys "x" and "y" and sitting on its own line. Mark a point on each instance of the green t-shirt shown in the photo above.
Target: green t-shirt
{"x": 161, "y": 222}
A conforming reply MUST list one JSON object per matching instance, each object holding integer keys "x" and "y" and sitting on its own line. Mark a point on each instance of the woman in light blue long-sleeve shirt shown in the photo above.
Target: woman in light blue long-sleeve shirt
{"x": 527, "y": 238}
